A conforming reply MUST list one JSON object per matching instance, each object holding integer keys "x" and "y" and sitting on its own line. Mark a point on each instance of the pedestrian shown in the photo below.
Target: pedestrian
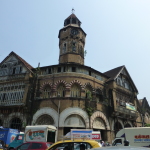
{"x": 103, "y": 144}
{"x": 100, "y": 143}
{"x": 126, "y": 143}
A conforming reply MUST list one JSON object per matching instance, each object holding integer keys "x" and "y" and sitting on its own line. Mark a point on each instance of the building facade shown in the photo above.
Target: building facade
{"x": 69, "y": 95}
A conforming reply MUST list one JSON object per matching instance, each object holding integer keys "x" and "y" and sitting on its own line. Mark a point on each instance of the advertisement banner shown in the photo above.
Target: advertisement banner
{"x": 81, "y": 134}
{"x": 96, "y": 136}
{"x": 128, "y": 106}
{"x": 8, "y": 135}
{"x": 12, "y": 135}
{"x": 35, "y": 135}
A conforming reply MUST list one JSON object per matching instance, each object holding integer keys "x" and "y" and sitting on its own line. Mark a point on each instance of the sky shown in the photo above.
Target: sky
{"x": 118, "y": 33}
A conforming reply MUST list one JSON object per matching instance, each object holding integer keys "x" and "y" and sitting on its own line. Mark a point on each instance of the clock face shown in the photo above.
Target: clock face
{"x": 74, "y": 31}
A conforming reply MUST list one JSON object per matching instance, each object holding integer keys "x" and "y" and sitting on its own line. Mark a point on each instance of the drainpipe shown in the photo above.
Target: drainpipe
{"x": 58, "y": 117}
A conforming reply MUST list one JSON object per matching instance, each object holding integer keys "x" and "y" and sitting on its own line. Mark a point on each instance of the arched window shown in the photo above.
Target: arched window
{"x": 47, "y": 92}
{"x": 88, "y": 92}
{"x": 61, "y": 90}
{"x": 45, "y": 120}
{"x": 99, "y": 96}
{"x": 16, "y": 123}
{"x": 75, "y": 90}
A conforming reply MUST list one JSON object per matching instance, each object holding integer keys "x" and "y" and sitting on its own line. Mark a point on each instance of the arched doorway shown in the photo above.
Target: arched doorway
{"x": 45, "y": 120}
{"x": 73, "y": 121}
{"x": 117, "y": 127}
{"x": 16, "y": 123}
{"x": 99, "y": 125}
{"x": 100, "y": 122}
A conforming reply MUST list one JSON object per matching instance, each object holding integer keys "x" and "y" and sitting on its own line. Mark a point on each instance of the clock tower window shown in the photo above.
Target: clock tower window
{"x": 64, "y": 48}
{"x": 74, "y": 46}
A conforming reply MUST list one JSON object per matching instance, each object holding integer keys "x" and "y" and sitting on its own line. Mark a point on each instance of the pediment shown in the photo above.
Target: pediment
{"x": 13, "y": 64}
{"x": 124, "y": 80}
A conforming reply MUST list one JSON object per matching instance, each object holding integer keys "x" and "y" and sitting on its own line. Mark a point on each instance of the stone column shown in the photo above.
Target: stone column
{"x": 60, "y": 133}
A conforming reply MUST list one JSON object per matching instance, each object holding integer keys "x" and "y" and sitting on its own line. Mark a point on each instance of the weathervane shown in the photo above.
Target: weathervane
{"x": 73, "y": 10}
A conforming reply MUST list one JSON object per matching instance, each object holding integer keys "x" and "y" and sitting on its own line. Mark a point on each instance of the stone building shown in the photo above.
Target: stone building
{"x": 14, "y": 84}
{"x": 69, "y": 95}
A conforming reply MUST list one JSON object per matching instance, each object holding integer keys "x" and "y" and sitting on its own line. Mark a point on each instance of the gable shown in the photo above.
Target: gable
{"x": 123, "y": 79}
{"x": 12, "y": 65}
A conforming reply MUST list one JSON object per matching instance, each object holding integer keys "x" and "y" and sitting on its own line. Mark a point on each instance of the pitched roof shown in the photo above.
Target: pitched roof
{"x": 21, "y": 59}
{"x": 73, "y": 16}
{"x": 113, "y": 73}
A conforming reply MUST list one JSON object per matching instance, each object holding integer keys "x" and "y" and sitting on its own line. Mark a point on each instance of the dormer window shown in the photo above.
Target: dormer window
{"x": 74, "y": 21}
{"x": 68, "y": 21}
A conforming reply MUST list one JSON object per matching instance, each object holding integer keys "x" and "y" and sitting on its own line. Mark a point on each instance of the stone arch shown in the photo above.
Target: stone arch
{"x": 70, "y": 111}
{"x": 75, "y": 90}
{"x": 73, "y": 82}
{"x": 61, "y": 90}
{"x": 100, "y": 89}
{"x": 44, "y": 84}
{"x": 46, "y": 110}
{"x": 113, "y": 124}
{"x": 88, "y": 84}
{"x": 101, "y": 115}
{"x": 16, "y": 115}
{"x": 128, "y": 122}
{"x": 59, "y": 82}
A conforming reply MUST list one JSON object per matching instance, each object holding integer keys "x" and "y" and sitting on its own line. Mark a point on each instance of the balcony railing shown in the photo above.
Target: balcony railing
{"x": 11, "y": 102}
{"x": 11, "y": 77}
{"x": 127, "y": 112}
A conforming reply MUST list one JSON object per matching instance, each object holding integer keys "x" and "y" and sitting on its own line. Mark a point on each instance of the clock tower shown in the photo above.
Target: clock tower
{"x": 71, "y": 41}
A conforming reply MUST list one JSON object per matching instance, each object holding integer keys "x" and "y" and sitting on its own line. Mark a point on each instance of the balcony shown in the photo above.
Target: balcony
{"x": 122, "y": 111}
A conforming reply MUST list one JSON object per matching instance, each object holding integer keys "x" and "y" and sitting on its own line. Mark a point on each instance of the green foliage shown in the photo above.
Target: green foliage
{"x": 147, "y": 125}
{"x": 24, "y": 124}
{"x": 89, "y": 95}
{"x": 89, "y": 110}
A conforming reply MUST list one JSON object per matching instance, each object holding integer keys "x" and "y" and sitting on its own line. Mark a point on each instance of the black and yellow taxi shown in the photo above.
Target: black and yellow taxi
{"x": 74, "y": 145}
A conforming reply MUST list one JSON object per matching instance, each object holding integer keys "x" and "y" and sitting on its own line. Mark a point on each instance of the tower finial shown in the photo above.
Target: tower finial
{"x": 73, "y": 10}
